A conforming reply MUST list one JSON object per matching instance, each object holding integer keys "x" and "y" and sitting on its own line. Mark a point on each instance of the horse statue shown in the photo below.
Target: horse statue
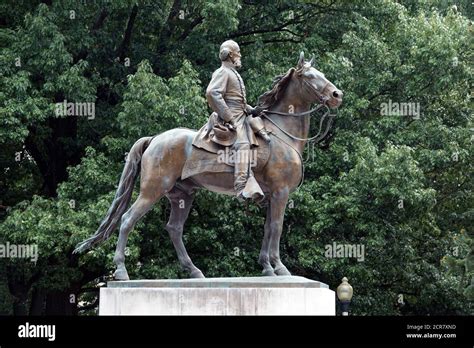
{"x": 286, "y": 114}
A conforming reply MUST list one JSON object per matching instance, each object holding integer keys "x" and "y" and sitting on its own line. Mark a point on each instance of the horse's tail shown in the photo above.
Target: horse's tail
{"x": 121, "y": 199}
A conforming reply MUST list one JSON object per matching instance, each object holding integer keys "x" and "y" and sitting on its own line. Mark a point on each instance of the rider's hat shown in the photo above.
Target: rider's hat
{"x": 223, "y": 135}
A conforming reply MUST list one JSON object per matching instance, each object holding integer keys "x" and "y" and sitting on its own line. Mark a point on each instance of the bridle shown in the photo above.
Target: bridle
{"x": 327, "y": 114}
{"x": 322, "y": 98}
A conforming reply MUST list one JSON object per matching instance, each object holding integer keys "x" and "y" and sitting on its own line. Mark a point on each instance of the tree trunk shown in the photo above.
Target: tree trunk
{"x": 59, "y": 303}
{"x": 37, "y": 302}
{"x": 55, "y": 152}
{"x": 19, "y": 307}
{"x": 19, "y": 289}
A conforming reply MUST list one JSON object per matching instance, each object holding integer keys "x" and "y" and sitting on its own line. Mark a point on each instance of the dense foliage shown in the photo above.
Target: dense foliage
{"x": 401, "y": 186}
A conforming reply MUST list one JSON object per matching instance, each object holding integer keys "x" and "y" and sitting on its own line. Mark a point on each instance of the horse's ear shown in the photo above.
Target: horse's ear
{"x": 300, "y": 64}
{"x": 311, "y": 61}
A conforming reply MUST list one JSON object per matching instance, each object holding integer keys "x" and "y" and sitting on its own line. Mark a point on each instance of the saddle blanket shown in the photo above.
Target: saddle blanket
{"x": 202, "y": 161}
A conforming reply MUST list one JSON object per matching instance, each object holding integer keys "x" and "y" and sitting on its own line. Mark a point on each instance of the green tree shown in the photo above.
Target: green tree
{"x": 398, "y": 185}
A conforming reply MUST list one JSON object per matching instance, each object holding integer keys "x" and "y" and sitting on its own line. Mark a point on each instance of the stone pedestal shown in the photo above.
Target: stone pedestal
{"x": 218, "y": 296}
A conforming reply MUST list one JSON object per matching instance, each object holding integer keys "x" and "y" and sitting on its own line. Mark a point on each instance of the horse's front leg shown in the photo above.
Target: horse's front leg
{"x": 264, "y": 258}
{"x": 278, "y": 202}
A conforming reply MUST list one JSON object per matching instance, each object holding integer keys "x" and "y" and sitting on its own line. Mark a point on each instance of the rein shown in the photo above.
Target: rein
{"x": 318, "y": 137}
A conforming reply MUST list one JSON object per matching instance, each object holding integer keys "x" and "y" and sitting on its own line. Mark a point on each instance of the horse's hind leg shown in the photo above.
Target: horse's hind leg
{"x": 141, "y": 206}
{"x": 180, "y": 206}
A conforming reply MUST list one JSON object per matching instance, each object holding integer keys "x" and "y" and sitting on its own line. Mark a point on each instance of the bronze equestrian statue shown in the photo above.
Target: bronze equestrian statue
{"x": 162, "y": 160}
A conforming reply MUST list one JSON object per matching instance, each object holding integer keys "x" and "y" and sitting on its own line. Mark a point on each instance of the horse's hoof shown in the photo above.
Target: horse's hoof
{"x": 121, "y": 274}
{"x": 282, "y": 271}
{"x": 196, "y": 274}
{"x": 268, "y": 273}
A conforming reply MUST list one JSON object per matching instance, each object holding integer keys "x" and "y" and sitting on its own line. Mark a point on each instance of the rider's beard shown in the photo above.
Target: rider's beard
{"x": 237, "y": 63}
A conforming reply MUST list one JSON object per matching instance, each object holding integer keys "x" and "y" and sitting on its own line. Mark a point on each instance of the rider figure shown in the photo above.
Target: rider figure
{"x": 226, "y": 97}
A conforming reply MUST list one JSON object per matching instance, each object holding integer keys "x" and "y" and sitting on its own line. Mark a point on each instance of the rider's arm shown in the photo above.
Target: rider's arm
{"x": 215, "y": 94}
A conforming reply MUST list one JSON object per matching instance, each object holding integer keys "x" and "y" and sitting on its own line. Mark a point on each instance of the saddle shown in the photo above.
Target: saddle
{"x": 220, "y": 159}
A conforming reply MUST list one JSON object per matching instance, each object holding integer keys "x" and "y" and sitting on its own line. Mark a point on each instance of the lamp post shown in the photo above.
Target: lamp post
{"x": 344, "y": 294}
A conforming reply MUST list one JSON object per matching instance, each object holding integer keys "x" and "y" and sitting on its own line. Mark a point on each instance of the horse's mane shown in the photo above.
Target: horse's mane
{"x": 279, "y": 85}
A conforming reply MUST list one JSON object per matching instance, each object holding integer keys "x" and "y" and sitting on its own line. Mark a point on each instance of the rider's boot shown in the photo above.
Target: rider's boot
{"x": 245, "y": 184}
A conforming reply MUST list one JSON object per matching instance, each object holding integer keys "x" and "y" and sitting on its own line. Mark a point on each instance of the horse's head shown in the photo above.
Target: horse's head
{"x": 314, "y": 86}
